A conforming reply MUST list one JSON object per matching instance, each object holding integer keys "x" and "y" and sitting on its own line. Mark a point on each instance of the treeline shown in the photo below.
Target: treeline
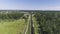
{"x": 11, "y": 15}
{"x": 49, "y": 23}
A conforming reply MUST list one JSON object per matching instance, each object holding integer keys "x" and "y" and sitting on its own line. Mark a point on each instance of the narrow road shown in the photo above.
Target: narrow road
{"x": 30, "y": 25}
{"x": 27, "y": 25}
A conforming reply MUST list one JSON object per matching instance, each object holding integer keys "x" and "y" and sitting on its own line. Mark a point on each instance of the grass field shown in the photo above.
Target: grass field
{"x": 12, "y": 26}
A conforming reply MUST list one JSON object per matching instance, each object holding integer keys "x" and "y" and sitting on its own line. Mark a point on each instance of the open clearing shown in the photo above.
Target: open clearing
{"x": 12, "y": 27}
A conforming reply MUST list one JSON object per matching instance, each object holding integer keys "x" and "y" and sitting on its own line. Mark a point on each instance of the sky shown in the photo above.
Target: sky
{"x": 30, "y": 4}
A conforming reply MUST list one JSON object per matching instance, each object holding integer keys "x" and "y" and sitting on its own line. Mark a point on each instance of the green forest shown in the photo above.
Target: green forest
{"x": 47, "y": 22}
{"x": 29, "y": 22}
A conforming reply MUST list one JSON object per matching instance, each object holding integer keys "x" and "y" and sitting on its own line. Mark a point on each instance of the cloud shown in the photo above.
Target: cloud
{"x": 50, "y": 8}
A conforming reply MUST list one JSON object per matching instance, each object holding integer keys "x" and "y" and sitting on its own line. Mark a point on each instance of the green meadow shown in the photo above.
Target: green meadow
{"x": 12, "y": 23}
{"x": 12, "y": 27}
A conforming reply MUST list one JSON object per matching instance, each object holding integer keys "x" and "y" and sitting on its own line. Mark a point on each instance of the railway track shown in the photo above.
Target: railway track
{"x": 30, "y": 25}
